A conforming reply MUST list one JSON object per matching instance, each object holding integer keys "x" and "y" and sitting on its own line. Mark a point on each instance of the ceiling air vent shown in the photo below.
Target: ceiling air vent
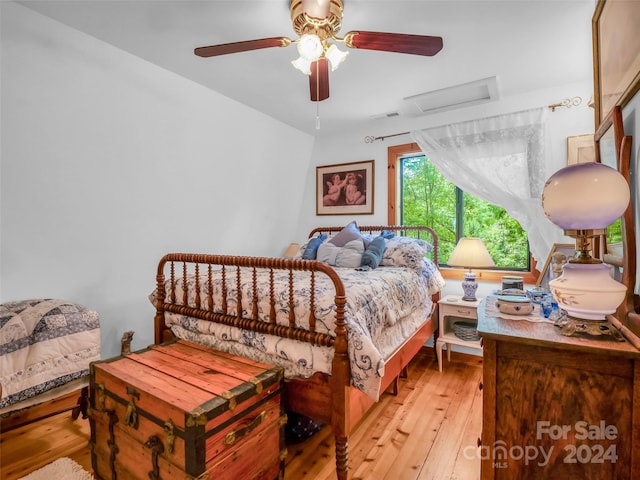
{"x": 385, "y": 115}
{"x": 450, "y": 98}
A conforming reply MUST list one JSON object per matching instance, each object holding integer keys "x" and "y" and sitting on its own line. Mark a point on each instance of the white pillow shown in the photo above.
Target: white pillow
{"x": 349, "y": 256}
{"x": 405, "y": 252}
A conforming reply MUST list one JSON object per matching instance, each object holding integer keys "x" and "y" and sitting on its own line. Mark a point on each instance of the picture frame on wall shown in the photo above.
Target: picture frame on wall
{"x": 559, "y": 255}
{"x": 581, "y": 149}
{"x": 345, "y": 189}
{"x": 616, "y": 55}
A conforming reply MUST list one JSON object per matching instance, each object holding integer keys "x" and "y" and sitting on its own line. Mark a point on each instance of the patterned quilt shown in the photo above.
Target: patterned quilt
{"x": 384, "y": 307}
{"x": 44, "y": 343}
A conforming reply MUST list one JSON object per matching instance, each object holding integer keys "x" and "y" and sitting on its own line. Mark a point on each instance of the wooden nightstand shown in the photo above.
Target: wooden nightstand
{"x": 453, "y": 309}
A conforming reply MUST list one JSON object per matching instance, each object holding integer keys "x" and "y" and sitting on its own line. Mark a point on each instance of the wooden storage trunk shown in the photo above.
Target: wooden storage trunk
{"x": 183, "y": 411}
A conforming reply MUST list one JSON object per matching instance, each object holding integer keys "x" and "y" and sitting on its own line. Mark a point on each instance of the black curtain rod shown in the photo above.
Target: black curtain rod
{"x": 370, "y": 139}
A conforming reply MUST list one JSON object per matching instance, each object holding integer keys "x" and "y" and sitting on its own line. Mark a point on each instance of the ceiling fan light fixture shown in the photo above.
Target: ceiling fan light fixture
{"x": 316, "y": 8}
{"x": 335, "y": 56}
{"x": 303, "y": 65}
{"x": 317, "y": 23}
{"x": 310, "y": 47}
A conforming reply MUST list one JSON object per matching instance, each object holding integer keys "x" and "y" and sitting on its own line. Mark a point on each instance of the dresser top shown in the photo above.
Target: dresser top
{"x": 533, "y": 330}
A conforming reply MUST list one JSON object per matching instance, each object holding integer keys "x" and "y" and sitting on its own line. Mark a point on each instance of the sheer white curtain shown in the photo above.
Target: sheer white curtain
{"x": 500, "y": 160}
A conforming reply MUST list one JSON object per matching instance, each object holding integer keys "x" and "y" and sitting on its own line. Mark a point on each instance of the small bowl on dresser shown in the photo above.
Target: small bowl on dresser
{"x": 514, "y": 305}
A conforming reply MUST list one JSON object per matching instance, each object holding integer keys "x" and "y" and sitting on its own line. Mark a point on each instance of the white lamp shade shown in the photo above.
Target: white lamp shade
{"x": 335, "y": 56}
{"x": 470, "y": 253}
{"x": 585, "y": 196}
{"x": 292, "y": 250}
{"x": 310, "y": 47}
{"x": 303, "y": 65}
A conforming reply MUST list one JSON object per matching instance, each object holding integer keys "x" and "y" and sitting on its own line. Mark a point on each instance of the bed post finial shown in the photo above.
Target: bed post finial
{"x": 125, "y": 342}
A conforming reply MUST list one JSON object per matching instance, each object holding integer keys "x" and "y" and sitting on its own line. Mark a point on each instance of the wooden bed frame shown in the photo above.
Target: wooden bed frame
{"x": 326, "y": 398}
{"x": 72, "y": 396}
{"x": 75, "y": 402}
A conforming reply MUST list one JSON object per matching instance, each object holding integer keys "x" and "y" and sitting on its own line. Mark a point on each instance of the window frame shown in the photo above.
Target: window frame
{"x": 394, "y": 154}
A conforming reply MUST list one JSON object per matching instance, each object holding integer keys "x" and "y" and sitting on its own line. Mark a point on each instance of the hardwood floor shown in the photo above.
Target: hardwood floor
{"x": 428, "y": 431}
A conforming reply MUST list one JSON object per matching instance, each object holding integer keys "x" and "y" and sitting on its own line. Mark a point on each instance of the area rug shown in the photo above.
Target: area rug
{"x": 62, "y": 469}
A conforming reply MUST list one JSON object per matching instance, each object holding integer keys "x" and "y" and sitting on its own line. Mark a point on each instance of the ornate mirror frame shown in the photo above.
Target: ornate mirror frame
{"x": 611, "y": 129}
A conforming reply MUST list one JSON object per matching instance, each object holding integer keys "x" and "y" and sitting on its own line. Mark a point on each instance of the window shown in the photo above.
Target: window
{"x": 419, "y": 194}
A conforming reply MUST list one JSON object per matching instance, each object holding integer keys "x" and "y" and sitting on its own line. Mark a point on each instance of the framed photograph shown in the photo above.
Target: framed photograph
{"x": 560, "y": 254}
{"x": 616, "y": 54}
{"x": 581, "y": 149}
{"x": 345, "y": 189}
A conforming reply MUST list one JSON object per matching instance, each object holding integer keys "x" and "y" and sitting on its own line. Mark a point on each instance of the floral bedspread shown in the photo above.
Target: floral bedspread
{"x": 384, "y": 307}
{"x": 44, "y": 344}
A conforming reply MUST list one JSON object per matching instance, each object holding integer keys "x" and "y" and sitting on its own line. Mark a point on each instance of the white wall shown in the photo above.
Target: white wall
{"x": 109, "y": 162}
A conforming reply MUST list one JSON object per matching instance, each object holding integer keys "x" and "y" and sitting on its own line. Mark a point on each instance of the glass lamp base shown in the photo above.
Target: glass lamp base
{"x": 587, "y": 291}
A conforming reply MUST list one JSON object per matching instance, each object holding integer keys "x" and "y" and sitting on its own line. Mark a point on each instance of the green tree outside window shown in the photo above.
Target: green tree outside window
{"x": 429, "y": 199}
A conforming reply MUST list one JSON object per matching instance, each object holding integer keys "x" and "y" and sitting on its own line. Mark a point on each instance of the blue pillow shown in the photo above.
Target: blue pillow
{"x": 311, "y": 252}
{"x": 373, "y": 253}
{"x": 346, "y": 235}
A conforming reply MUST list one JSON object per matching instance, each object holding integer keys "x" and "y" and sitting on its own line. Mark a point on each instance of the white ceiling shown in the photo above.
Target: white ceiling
{"x": 527, "y": 44}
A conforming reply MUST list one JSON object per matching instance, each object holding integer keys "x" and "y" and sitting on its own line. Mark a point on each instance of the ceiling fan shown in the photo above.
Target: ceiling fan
{"x": 317, "y": 22}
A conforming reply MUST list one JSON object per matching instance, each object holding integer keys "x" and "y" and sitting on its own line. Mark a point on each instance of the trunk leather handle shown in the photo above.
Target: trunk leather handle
{"x": 234, "y": 435}
{"x": 155, "y": 444}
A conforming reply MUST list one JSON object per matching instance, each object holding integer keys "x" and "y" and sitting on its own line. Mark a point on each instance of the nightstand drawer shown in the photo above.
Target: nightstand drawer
{"x": 458, "y": 311}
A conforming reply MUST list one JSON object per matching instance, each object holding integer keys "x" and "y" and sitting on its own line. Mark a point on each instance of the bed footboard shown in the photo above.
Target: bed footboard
{"x": 237, "y": 276}
{"x": 201, "y": 268}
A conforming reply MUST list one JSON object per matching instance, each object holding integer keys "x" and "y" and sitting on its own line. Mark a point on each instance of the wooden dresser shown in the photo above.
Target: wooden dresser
{"x": 557, "y": 407}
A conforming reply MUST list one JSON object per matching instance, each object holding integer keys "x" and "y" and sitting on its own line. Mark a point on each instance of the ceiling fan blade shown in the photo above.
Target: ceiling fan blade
{"x": 394, "y": 42}
{"x": 236, "y": 47}
{"x": 319, "y": 80}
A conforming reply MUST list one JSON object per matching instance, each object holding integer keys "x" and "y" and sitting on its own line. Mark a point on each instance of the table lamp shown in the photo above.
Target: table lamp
{"x": 584, "y": 199}
{"x": 470, "y": 253}
{"x": 291, "y": 251}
